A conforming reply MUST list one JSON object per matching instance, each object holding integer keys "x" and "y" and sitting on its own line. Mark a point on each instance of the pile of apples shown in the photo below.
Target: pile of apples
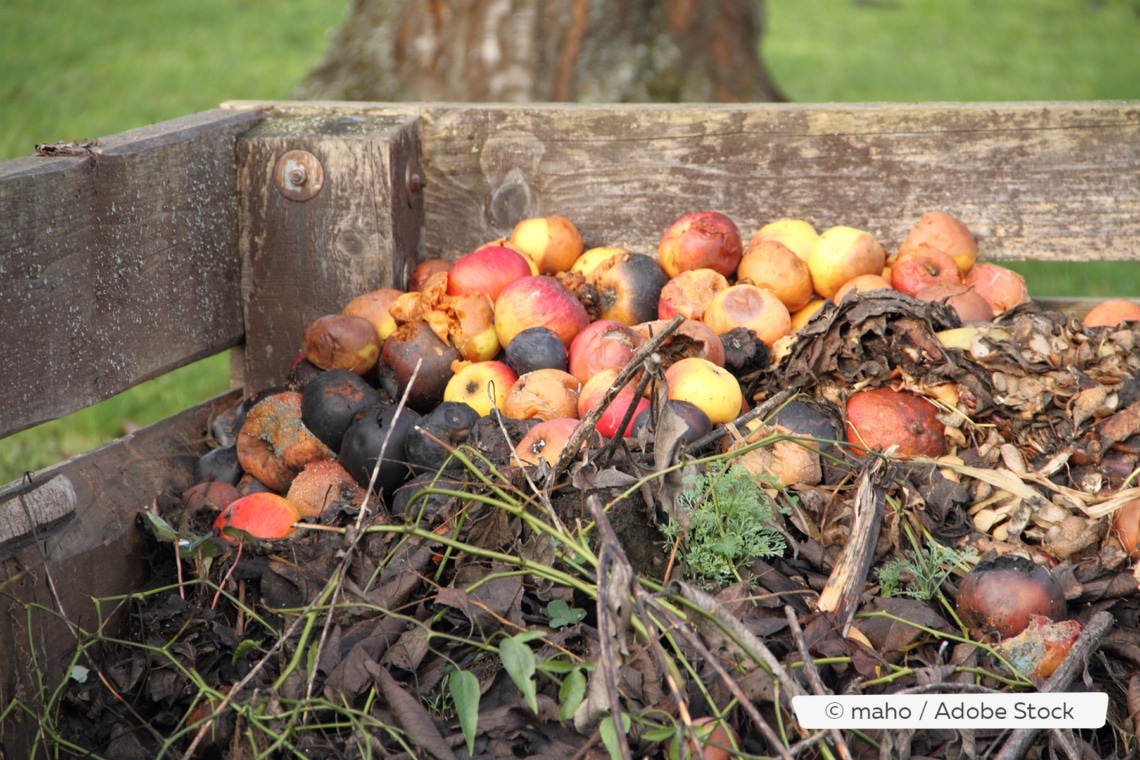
{"x": 539, "y": 328}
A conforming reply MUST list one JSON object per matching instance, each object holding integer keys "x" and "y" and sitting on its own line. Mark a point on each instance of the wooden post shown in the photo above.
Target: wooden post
{"x": 330, "y": 207}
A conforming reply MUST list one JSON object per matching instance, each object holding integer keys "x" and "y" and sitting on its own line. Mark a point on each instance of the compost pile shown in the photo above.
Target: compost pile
{"x": 449, "y": 588}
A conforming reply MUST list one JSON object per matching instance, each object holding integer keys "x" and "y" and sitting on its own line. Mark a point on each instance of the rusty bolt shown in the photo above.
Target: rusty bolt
{"x": 298, "y": 175}
{"x": 413, "y": 181}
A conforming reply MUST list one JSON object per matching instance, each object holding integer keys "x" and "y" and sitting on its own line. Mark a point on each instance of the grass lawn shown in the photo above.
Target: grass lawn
{"x": 71, "y": 69}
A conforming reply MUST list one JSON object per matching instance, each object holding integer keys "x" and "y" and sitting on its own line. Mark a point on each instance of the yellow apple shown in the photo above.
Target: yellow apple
{"x": 481, "y": 385}
{"x": 843, "y": 253}
{"x": 711, "y": 388}
{"x": 796, "y": 234}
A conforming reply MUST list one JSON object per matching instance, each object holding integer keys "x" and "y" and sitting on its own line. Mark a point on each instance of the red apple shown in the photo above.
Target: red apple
{"x": 922, "y": 266}
{"x": 879, "y": 418}
{"x": 538, "y": 302}
{"x": 546, "y": 440}
{"x": 487, "y": 270}
{"x": 964, "y": 300}
{"x": 424, "y": 270}
{"x": 261, "y": 515}
{"x": 1112, "y": 313}
{"x": 1001, "y": 594}
{"x": 1002, "y": 287}
{"x": 946, "y": 234}
{"x": 481, "y": 385}
{"x": 704, "y": 240}
{"x": 602, "y": 344}
{"x": 593, "y": 392}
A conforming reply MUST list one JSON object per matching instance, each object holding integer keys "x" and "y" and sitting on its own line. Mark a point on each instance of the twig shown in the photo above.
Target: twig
{"x": 813, "y": 674}
{"x": 1019, "y": 740}
{"x": 763, "y": 410}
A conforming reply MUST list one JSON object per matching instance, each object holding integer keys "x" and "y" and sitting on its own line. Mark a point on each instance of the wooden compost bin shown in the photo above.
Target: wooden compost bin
{"x": 231, "y": 229}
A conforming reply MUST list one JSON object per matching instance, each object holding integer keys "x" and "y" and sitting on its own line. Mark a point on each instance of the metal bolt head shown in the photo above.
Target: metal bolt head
{"x": 298, "y": 175}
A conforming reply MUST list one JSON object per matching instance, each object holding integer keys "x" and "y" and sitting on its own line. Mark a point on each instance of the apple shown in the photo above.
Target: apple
{"x": 538, "y": 301}
{"x": 1002, "y": 287}
{"x": 340, "y": 341}
{"x": 748, "y": 306}
{"x": 319, "y": 485}
{"x": 481, "y": 385}
{"x": 842, "y": 253}
{"x": 595, "y": 389}
{"x": 424, "y": 270}
{"x": 944, "y": 233}
{"x": 274, "y": 444}
{"x": 964, "y": 300}
{"x": 585, "y": 263}
{"x": 796, "y": 234}
{"x": 604, "y": 343}
{"x": 543, "y": 393}
{"x": 691, "y": 338}
{"x": 922, "y": 266}
{"x": 374, "y": 306}
{"x": 261, "y": 515}
{"x": 486, "y": 270}
{"x": 552, "y": 242}
{"x": 712, "y": 388}
{"x": 1112, "y": 313}
{"x": 879, "y": 418}
{"x": 546, "y": 440}
{"x": 860, "y": 284}
{"x": 1126, "y": 527}
{"x": 629, "y": 287}
{"x": 415, "y": 343}
{"x": 772, "y": 265}
{"x": 1001, "y": 594}
{"x": 704, "y": 240}
{"x": 689, "y": 293}
{"x": 471, "y": 326}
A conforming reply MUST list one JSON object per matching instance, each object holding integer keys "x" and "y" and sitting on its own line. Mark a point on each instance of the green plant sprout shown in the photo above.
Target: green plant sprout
{"x": 921, "y": 573}
{"x": 730, "y": 524}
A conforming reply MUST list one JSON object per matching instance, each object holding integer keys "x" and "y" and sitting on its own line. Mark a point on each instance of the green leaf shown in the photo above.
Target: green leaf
{"x": 609, "y": 738}
{"x": 244, "y": 648}
{"x": 518, "y": 659}
{"x": 164, "y": 530}
{"x": 464, "y": 687}
{"x": 571, "y": 693}
{"x": 561, "y": 614}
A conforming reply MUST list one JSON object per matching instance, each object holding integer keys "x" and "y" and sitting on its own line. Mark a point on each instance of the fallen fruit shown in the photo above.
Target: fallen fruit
{"x": 486, "y": 271}
{"x": 964, "y": 300}
{"x": 414, "y": 344}
{"x": 1002, "y": 287}
{"x": 321, "y": 484}
{"x": 1111, "y": 313}
{"x": 748, "y": 306}
{"x": 704, "y": 240}
{"x": 552, "y": 242}
{"x": 544, "y": 394}
{"x": 536, "y": 348}
{"x": 546, "y": 440}
{"x": 373, "y": 306}
{"x": 881, "y": 418}
{"x": 604, "y": 343}
{"x": 274, "y": 445}
{"x": 689, "y": 293}
{"x": 772, "y": 265}
{"x": 1126, "y": 528}
{"x": 261, "y": 515}
{"x": 538, "y": 302}
{"x": 796, "y": 234}
{"x": 923, "y": 266}
{"x": 424, "y": 271}
{"x": 629, "y": 287}
{"x": 945, "y": 233}
{"x": 712, "y": 388}
{"x": 375, "y": 429}
{"x": 1041, "y": 647}
{"x": 481, "y": 385}
{"x": 341, "y": 341}
{"x": 842, "y": 253}
{"x": 330, "y": 402}
{"x": 1001, "y": 594}
{"x": 450, "y": 425}
{"x": 861, "y": 284}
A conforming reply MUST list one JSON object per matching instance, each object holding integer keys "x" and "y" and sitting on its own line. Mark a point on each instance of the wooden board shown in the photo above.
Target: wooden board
{"x": 116, "y": 269}
{"x": 1045, "y": 181}
{"x": 303, "y": 259}
{"x": 85, "y": 543}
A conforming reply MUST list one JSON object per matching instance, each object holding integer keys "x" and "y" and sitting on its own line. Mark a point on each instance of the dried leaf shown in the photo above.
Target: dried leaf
{"x": 411, "y": 715}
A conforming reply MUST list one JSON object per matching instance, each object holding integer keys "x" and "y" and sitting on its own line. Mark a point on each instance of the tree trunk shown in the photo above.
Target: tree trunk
{"x": 546, "y": 50}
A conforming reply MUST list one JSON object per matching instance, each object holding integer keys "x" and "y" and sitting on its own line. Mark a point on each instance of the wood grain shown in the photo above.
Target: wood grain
{"x": 305, "y": 259}
{"x": 117, "y": 269}
{"x": 1045, "y": 181}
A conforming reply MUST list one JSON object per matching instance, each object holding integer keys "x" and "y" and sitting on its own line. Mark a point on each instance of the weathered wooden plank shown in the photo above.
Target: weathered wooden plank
{"x": 1045, "y": 181}
{"x": 306, "y": 258}
{"x": 86, "y": 545}
{"x": 116, "y": 269}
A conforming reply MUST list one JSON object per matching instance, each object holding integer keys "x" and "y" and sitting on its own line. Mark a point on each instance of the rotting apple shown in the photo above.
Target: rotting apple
{"x": 1112, "y": 313}
{"x": 341, "y": 341}
{"x": 1000, "y": 595}
{"x": 595, "y": 390}
{"x": 429, "y": 443}
{"x": 552, "y": 242}
{"x": 1002, "y": 287}
{"x": 1041, "y": 647}
{"x": 274, "y": 445}
{"x": 703, "y": 240}
{"x": 481, "y": 385}
{"x": 585, "y": 263}
{"x": 860, "y": 284}
{"x": 629, "y": 287}
{"x": 1126, "y": 527}
{"x": 374, "y": 306}
{"x": 881, "y": 418}
{"x": 543, "y": 393}
{"x": 538, "y": 301}
{"x": 319, "y": 485}
{"x": 802, "y": 316}
{"x": 261, "y": 515}
{"x": 547, "y": 440}
{"x": 423, "y": 272}
{"x": 842, "y": 253}
{"x": 470, "y": 325}
{"x": 604, "y": 343}
{"x": 211, "y": 495}
{"x": 945, "y": 233}
{"x": 414, "y": 344}
{"x": 536, "y": 348}
{"x": 745, "y": 353}
{"x": 689, "y": 293}
{"x": 380, "y": 428}
{"x": 331, "y": 400}
{"x": 487, "y": 271}
{"x": 796, "y": 234}
{"x": 922, "y": 266}
{"x": 714, "y": 389}
{"x": 964, "y": 300}
{"x": 696, "y": 423}
{"x": 691, "y": 338}
{"x": 744, "y": 305}
{"x": 772, "y": 265}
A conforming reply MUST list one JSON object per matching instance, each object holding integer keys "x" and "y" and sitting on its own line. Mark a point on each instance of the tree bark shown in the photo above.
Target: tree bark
{"x": 546, "y": 50}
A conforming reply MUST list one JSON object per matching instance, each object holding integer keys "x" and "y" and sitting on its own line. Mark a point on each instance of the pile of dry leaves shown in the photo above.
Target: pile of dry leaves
{"x": 493, "y": 611}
